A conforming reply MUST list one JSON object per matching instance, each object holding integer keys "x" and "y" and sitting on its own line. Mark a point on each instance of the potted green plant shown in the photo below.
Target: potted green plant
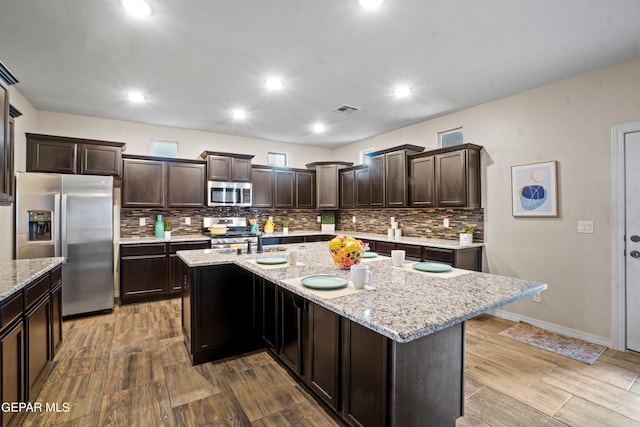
{"x": 167, "y": 230}
{"x": 285, "y": 225}
{"x": 466, "y": 235}
{"x": 328, "y": 221}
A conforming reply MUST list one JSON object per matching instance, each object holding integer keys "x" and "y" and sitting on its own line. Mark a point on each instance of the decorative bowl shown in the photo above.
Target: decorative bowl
{"x": 346, "y": 251}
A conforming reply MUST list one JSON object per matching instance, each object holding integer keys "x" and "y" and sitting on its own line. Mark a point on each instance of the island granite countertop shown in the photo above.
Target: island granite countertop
{"x": 16, "y": 274}
{"x": 401, "y": 303}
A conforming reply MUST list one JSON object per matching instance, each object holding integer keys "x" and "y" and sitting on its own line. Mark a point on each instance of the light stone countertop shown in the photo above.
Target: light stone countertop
{"x": 16, "y": 274}
{"x": 403, "y": 305}
{"x": 422, "y": 241}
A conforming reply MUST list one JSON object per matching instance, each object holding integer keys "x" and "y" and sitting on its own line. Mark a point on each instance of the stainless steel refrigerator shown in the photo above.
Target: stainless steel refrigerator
{"x": 69, "y": 216}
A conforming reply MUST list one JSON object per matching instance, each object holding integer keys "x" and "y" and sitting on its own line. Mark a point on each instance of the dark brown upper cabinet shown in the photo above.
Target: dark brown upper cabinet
{"x": 354, "y": 187}
{"x": 6, "y": 137}
{"x": 153, "y": 182}
{"x": 61, "y": 154}
{"x": 263, "y": 180}
{"x": 305, "y": 189}
{"x": 227, "y": 167}
{"x": 347, "y": 188}
{"x": 327, "y": 183}
{"x": 284, "y": 189}
{"x": 362, "y": 195}
{"x": 388, "y": 175}
{"x": 448, "y": 177}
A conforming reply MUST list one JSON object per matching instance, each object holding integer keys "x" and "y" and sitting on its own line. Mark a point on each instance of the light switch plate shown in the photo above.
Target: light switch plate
{"x": 187, "y": 220}
{"x": 143, "y": 222}
{"x": 445, "y": 222}
{"x": 585, "y": 227}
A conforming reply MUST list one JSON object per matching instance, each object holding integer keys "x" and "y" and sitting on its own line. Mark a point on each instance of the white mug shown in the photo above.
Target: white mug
{"x": 397, "y": 258}
{"x": 360, "y": 275}
{"x": 292, "y": 257}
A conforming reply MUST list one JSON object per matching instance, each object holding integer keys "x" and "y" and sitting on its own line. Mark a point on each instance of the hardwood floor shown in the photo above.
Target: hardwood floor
{"x": 130, "y": 368}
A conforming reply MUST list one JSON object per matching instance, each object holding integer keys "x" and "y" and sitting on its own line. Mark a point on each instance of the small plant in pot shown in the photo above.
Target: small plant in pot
{"x": 167, "y": 230}
{"x": 285, "y": 225}
{"x": 328, "y": 221}
{"x": 466, "y": 235}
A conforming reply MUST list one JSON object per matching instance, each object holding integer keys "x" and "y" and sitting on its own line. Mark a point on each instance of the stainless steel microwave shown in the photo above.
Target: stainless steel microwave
{"x": 229, "y": 193}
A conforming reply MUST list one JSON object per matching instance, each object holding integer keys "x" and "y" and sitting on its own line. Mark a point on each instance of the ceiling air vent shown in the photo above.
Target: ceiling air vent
{"x": 346, "y": 109}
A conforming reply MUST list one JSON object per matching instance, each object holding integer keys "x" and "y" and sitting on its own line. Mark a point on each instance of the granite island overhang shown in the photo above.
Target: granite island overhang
{"x": 392, "y": 354}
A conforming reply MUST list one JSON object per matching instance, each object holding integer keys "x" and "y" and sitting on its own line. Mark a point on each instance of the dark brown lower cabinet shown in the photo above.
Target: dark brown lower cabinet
{"x": 292, "y": 314}
{"x": 269, "y": 316}
{"x": 56, "y": 318}
{"x": 323, "y": 365}
{"x": 38, "y": 351}
{"x": 12, "y": 365}
{"x": 144, "y": 271}
{"x": 175, "y": 265}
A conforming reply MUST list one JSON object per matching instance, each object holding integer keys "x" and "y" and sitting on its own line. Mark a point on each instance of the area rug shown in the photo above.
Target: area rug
{"x": 560, "y": 344}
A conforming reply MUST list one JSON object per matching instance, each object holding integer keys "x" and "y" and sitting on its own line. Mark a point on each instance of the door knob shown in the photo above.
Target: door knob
{"x": 634, "y": 254}
{"x": 635, "y": 238}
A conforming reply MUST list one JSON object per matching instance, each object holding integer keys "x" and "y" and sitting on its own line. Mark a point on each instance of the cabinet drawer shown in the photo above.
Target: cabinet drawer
{"x": 56, "y": 276}
{"x": 188, "y": 246}
{"x": 385, "y": 248}
{"x": 10, "y": 309}
{"x": 37, "y": 289}
{"x": 144, "y": 249}
{"x": 436, "y": 254}
{"x": 411, "y": 252}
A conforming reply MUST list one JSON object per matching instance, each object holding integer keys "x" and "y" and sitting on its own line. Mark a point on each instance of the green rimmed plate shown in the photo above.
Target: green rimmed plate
{"x": 432, "y": 267}
{"x": 324, "y": 282}
{"x": 271, "y": 260}
{"x": 369, "y": 255}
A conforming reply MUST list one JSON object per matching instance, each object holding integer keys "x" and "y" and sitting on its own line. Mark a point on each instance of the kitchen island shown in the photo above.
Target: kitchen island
{"x": 392, "y": 354}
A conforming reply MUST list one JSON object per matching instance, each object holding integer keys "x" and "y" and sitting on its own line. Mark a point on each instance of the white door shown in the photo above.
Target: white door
{"x": 632, "y": 232}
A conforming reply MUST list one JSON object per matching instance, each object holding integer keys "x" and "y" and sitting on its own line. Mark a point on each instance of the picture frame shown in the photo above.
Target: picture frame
{"x": 534, "y": 189}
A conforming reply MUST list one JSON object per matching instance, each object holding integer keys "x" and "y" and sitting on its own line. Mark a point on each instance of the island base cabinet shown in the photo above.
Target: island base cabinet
{"x": 292, "y": 320}
{"x": 38, "y": 323}
{"x": 323, "y": 373}
{"x": 12, "y": 365}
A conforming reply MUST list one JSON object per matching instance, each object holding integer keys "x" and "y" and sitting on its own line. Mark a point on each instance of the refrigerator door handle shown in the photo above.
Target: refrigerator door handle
{"x": 63, "y": 227}
{"x": 56, "y": 225}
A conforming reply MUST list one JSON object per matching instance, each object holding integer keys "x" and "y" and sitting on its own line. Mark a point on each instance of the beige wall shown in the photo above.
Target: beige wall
{"x": 568, "y": 121}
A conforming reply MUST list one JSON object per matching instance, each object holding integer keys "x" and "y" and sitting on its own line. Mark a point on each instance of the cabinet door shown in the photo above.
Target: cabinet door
{"x": 347, "y": 189}
{"x": 262, "y": 180}
{"x": 327, "y": 192}
{"x": 412, "y": 252}
{"x": 56, "y": 319}
{"x": 396, "y": 179}
{"x": 364, "y": 375}
{"x": 51, "y": 156}
{"x": 186, "y": 305}
{"x": 324, "y": 354}
{"x": 186, "y": 185}
{"x": 292, "y": 310}
{"x": 218, "y": 168}
{"x": 12, "y": 364}
{"x": 362, "y": 194}
{"x": 5, "y": 159}
{"x": 422, "y": 181}
{"x": 385, "y": 248}
{"x": 305, "y": 189}
{"x": 144, "y": 271}
{"x": 451, "y": 179}
{"x": 143, "y": 183}
{"x": 284, "y": 189}
{"x": 270, "y": 314}
{"x": 376, "y": 181}
{"x": 175, "y": 264}
{"x": 100, "y": 159}
{"x": 240, "y": 170}
{"x": 38, "y": 350}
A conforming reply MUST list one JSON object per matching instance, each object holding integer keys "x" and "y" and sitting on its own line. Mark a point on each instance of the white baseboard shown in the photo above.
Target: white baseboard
{"x": 595, "y": 339}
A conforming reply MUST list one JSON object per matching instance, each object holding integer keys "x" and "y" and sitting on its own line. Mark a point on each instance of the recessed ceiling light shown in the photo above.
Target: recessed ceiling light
{"x": 318, "y": 128}
{"x": 136, "y": 97}
{"x": 370, "y": 4}
{"x": 274, "y": 83}
{"x": 402, "y": 91}
{"x": 137, "y": 8}
{"x": 239, "y": 114}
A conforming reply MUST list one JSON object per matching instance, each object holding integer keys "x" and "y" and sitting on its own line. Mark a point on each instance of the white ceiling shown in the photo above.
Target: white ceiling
{"x": 196, "y": 60}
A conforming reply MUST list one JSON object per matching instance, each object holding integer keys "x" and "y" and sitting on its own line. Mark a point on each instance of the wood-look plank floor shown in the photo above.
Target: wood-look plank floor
{"x": 130, "y": 368}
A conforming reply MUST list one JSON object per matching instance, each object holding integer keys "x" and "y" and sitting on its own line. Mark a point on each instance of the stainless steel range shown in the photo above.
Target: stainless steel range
{"x": 229, "y": 232}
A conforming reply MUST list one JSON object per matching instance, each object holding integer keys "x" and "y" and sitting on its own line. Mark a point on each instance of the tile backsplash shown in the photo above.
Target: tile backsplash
{"x": 414, "y": 222}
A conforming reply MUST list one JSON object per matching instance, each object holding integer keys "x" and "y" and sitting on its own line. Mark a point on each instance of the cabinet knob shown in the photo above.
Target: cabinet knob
{"x": 634, "y": 254}
{"x": 635, "y": 238}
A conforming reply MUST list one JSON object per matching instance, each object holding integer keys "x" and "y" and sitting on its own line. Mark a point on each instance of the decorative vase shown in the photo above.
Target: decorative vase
{"x": 328, "y": 228}
{"x": 466, "y": 239}
{"x": 285, "y": 230}
{"x": 167, "y": 235}
{"x": 159, "y": 227}
{"x": 346, "y": 251}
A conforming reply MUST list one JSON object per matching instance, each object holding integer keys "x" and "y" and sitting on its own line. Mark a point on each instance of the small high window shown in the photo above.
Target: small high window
{"x": 451, "y": 137}
{"x": 277, "y": 159}
{"x": 164, "y": 148}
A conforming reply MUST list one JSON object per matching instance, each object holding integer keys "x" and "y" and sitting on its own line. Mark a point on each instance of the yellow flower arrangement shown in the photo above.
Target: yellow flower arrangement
{"x": 346, "y": 251}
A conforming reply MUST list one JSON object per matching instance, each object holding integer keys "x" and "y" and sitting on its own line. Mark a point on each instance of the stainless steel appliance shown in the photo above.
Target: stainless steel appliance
{"x": 69, "y": 216}
{"x": 229, "y": 193}
{"x": 235, "y": 236}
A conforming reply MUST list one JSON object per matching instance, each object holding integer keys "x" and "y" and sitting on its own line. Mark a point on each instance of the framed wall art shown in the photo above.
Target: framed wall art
{"x": 534, "y": 190}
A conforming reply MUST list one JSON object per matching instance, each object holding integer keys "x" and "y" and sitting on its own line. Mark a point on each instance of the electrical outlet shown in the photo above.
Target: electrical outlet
{"x": 445, "y": 222}
{"x": 353, "y": 219}
{"x": 187, "y": 221}
{"x": 537, "y": 297}
{"x": 143, "y": 222}
{"x": 319, "y": 218}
